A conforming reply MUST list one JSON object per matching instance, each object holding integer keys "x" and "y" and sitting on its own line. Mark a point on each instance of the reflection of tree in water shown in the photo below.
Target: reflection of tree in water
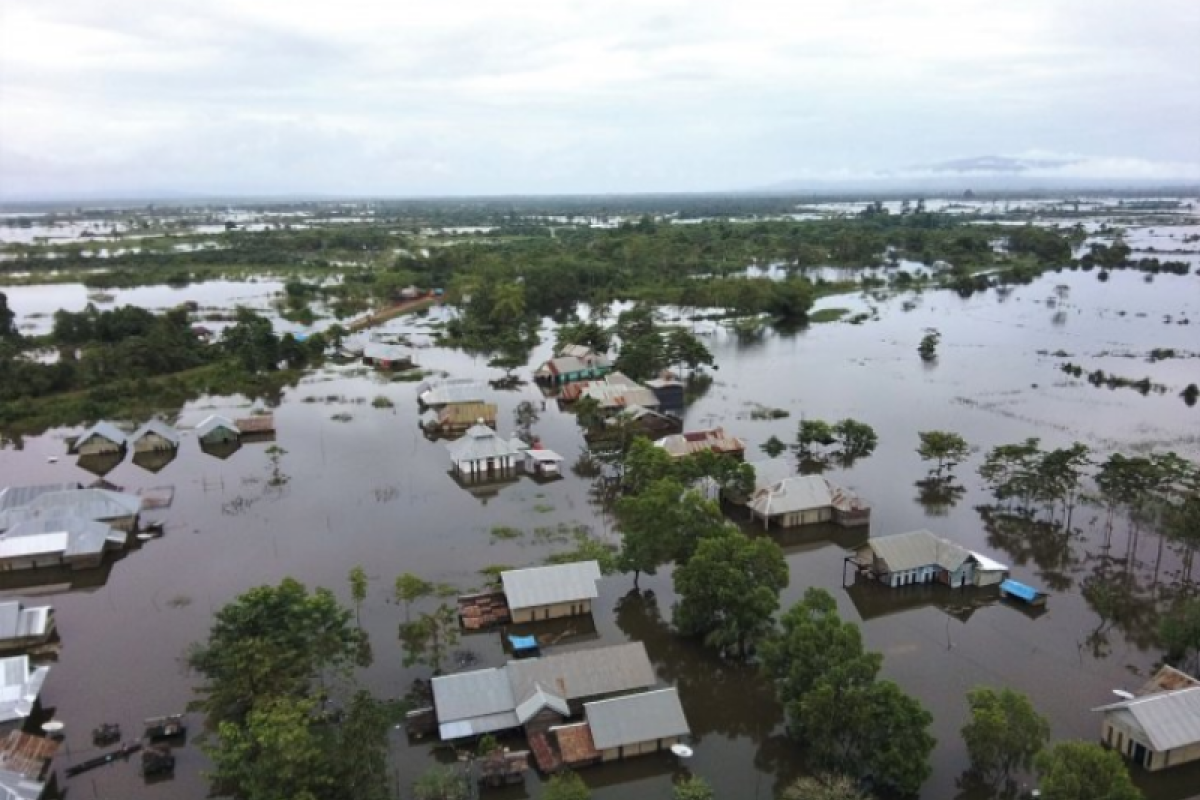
{"x": 1026, "y": 539}
{"x": 938, "y": 495}
{"x": 721, "y": 697}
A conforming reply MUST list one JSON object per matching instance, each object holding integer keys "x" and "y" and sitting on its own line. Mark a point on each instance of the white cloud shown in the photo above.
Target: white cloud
{"x": 462, "y": 97}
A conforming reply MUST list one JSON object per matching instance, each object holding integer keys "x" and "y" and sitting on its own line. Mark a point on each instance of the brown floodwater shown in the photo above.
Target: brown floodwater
{"x": 373, "y": 491}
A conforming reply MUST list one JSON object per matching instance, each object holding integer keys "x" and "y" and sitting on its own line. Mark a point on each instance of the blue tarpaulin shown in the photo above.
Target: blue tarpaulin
{"x": 1026, "y": 593}
{"x": 523, "y": 642}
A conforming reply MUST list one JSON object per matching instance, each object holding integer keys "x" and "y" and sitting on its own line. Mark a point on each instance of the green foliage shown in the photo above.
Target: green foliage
{"x": 411, "y": 588}
{"x": 276, "y": 753}
{"x": 929, "y": 344}
{"x": 487, "y": 745}
{"x": 817, "y": 441}
{"x": 1004, "y": 734}
{"x": 693, "y": 787}
{"x": 8, "y": 327}
{"x": 773, "y": 446}
{"x": 587, "y": 333}
{"x": 1084, "y": 771}
{"x": 358, "y": 587}
{"x": 826, "y": 786}
{"x": 947, "y": 449}
{"x": 428, "y": 639}
{"x": 729, "y": 590}
{"x": 1179, "y": 632}
{"x": 441, "y": 782}
{"x": 664, "y": 523}
{"x": 252, "y": 342}
{"x": 566, "y": 786}
{"x": 857, "y": 439}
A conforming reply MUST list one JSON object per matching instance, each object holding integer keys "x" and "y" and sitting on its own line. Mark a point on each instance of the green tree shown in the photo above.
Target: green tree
{"x": 773, "y": 446}
{"x": 693, "y": 787}
{"x": 929, "y": 344}
{"x": 1179, "y": 631}
{"x": 428, "y": 639}
{"x": 358, "y": 589}
{"x": 661, "y": 524}
{"x": 276, "y": 754}
{"x": 1084, "y": 771}
{"x": 685, "y": 350}
{"x": 409, "y": 589}
{"x": 729, "y": 590}
{"x": 252, "y": 342}
{"x": 272, "y": 641}
{"x": 856, "y": 439}
{"x": 361, "y": 756}
{"x": 826, "y": 786}
{"x": 441, "y": 782}
{"x": 8, "y": 328}
{"x": 813, "y": 432}
{"x": 947, "y": 449}
{"x": 566, "y": 786}
{"x": 1004, "y": 734}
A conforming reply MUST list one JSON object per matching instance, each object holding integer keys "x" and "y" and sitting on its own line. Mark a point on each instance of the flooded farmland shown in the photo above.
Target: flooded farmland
{"x": 368, "y": 488}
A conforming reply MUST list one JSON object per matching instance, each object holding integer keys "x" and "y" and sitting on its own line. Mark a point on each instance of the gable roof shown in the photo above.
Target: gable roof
{"x": 382, "y": 351}
{"x": 478, "y": 693}
{"x": 103, "y": 429}
{"x": 18, "y": 496}
{"x": 1169, "y": 720}
{"x": 15, "y": 786}
{"x": 798, "y": 493}
{"x": 480, "y": 442}
{"x": 584, "y": 673}
{"x": 19, "y": 687}
{"x": 537, "y": 701}
{"x": 643, "y": 717}
{"x": 903, "y": 551}
{"x": 457, "y": 390}
{"x": 70, "y": 535}
{"x": 543, "y": 586}
{"x": 98, "y": 504}
{"x": 18, "y": 622}
{"x": 689, "y": 442}
{"x": 214, "y": 421}
{"x": 159, "y": 427}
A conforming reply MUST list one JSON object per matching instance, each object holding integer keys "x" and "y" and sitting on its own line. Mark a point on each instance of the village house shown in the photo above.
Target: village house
{"x": 154, "y": 435}
{"x": 101, "y": 438}
{"x": 18, "y": 496}
{"x": 691, "y": 442}
{"x": 22, "y": 627}
{"x": 451, "y": 391}
{"x": 920, "y": 557}
{"x": 561, "y": 590}
{"x": 482, "y": 454}
{"x": 1157, "y": 730}
{"x": 387, "y": 356}
{"x": 573, "y": 363}
{"x": 24, "y": 764}
{"x": 20, "y": 686}
{"x": 636, "y": 724}
{"x": 808, "y": 500}
{"x": 257, "y": 427}
{"x": 453, "y": 420}
{"x": 56, "y": 540}
{"x": 646, "y": 420}
{"x": 537, "y": 693}
{"x": 217, "y": 430}
{"x": 116, "y": 509}
{"x": 669, "y": 391}
{"x": 542, "y": 463}
{"x": 612, "y": 393}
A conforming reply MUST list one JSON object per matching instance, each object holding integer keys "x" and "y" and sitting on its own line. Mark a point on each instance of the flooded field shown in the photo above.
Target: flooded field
{"x": 370, "y": 489}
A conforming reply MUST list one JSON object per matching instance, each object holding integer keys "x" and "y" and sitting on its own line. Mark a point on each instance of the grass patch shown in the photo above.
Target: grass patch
{"x": 382, "y": 402}
{"x": 543, "y": 508}
{"x": 827, "y": 315}
{"x": 504, "y": 533}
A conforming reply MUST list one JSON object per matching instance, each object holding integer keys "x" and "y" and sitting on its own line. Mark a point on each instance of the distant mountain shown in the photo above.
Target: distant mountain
{"x": 994, "y": 165}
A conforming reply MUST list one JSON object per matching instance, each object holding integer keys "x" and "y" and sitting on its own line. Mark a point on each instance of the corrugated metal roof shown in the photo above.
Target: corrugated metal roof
{"x": 476, "y": 693}
{"x": 18, "y": 622}
{"x": 1170, "y": 720}
{"x": 23, "y": 546}
{"x": 689, "y": 442}
{"x": 214, "y": 421}
{"x": 387, "y": 352}
{"x": 19, "y": 687}
{"x": 478, "y": 443}
{"x": 543, "y": 586}
{"x": 537, "y": 701}
{"x": 73, "y": 536}
{"x": 989, "y": 564}
{"x": 15, "y": 786}
{"x": 643, "y": 717}
{"x": 454, "y": 392}
{"x": 585, "y": 673}
{"x": 1026, "y": 593}
{"x": 18, "y": 496}
{"x": 904, "y": 551}
{"x": 159, "y": 427}
{"x": 798, "y": 493}
{"x": 103, "y": 429}
{"x": 476, "y": 726}
{"x": 98, "y": 504}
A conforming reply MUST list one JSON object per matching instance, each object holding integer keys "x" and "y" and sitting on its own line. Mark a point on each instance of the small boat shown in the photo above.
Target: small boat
{"x": 682, "y": 750}
{"x": 125, "y": 751}
{"x": 169, "y": 727}
{"x": 53, "y": 726}
{"x": 105, "y": 734}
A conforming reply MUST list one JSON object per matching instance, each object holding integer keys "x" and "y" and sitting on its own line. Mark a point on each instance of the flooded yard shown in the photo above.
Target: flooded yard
{"x": 371, "y": 490}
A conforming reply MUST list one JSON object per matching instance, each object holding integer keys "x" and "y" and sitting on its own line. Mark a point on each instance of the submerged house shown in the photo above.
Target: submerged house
{"x": 55, "y": 540}
{"x": 18, "y": 496}
{"x": 573, "y": 363}
{"x": 922, "y": 557}
{"x": 451, "y": 391}
{"x": 215, "y": 429}
{"x": 482, "y": 454}
{"x": 561, "y": 590}
{"x": 636, "y": 724}
{"x": 1157, "y": 730}
{"x": 808, "y": 500}
{"x": 101, "y": 438}
{"x": 24, "y": 627}
{"x": 24, "y": 763}
{"x": 457, "y": 418}
{"x": 714, "y": 440}
{"x": 153, "y": 436}
{"x": 116, "y": 509}
{"x": 542, "y": 463}
{"x": 536, "y": 693}
{"x": 387, "y": 356}
{"x": 612, "y": 393}
{"x": 20, "y": 686}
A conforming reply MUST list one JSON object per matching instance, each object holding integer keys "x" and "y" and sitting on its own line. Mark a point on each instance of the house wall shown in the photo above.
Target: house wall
{"x": 1120, "y": 738}
{"x": 86, "y": 561}
{"x": 39, "y": 561}
{"x": 475, "y": 469}
{"x": 97, "y": 445}
{"x": 989, "y": 578}
{"x": 126, "y": 524}
{"x": 850, "y": 519}
{"x": 925, "y": 574}
{"x": 811, "y": 516}
{"x": 638, "y": 749}
{"x": 555, "y": 611}
{"x": 152, "y": 442}
{"x": 220, "y": 436}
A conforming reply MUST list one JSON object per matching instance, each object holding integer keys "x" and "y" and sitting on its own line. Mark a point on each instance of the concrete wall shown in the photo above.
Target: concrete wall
{"x": 219, "y": 436}
{"x": 152, "y": 442}
{"x": 39, "y": 561}
{"x": 638, "y": 749}
{"x": 1124, "y": 741}
{"x": 479, "y": 469}
{"x": 555, "y": 611}
{"x": 97, "y": 445}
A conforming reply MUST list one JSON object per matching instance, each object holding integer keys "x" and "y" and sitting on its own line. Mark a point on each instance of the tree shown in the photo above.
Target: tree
{"x": 693, "y": 787}
{"x": 857, "y": 439}
{"x": 773, "y": 446}
{"x": 566, "y": 786}
{"x": 362, "y": 754}
{"x": 429, "y": 638}
{"x": 947, "y": 449}
{"x": 8, "y": 328}
{"x": 1084, "y": 771}
{"x": 1179, "y": 632}
{"x": 686, "y": 350}
{"x": 1004, "y": 734}
{"x": 252, "y": 342}
{"x": 411, "y": 588}
{"x": 813, "y": 432}
{"x": 929, "y": 344}
{"x": 661, "y": 524}
{"x": 729, "y": 590}
{"x": 277, "y": 753}
{"x": 272, "y": 641}
{"x": 441, "y": 782}
{"x": 358, "y": 589}
{"x": 826, "y": 786}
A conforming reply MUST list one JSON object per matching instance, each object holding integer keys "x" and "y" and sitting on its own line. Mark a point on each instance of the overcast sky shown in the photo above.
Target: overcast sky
{"x": 445, "y": 97}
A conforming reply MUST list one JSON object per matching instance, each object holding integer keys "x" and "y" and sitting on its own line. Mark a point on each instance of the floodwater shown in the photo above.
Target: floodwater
{"x": 371, "y": 490}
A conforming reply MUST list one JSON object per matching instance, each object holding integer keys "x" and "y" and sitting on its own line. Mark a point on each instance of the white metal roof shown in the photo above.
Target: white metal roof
{"x": 159, "y": 427}
{"x": 18, "y": 496}
{"x": 635, "y": 718}
{"x": 478, "y": 443}
{"x": 71, "y": 535}
{"x": 88, "y": 503}
{"x": 543, "y": 455}
{"x": 386, "y": 352}
{"x": 1170, "y": 720}
{"x": 904, "y": 551}
{"x": 477, "y": 693}
{"x": 543, "y": 586}
{"x": 214, "y": 421}
{"x": 798, "y": 493}
{"x": 987, "y": 564}
{"x": 537, "y": 701}
{"x": 455, "y": 391}
{"x": 18, "y": 546}
{"x": 19, "y": 687}
{"x": 15, "y": 786}
{"x": 103, "y": 429}
{"x": 18, "y": 622}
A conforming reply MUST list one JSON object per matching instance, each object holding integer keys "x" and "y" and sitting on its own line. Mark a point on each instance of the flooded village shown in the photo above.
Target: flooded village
{"x": 491, "y": 478}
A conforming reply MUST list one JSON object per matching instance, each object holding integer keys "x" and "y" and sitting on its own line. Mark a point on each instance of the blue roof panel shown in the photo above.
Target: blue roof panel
{"x": 1026, "y": 593}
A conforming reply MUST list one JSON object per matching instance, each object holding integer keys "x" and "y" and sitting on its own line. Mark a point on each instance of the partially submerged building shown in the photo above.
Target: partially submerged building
{"x": 481, "y": 454}
{"x": 115, "y": 509}
{"x": 451, "y": 391}
{"x": 216, "y": 430}
{"x": 24, "y": 763}
{"x": 542, "y": 463}
{"x": 637, "y": 724}
{"x": 714, "y": 440}
{"x": 155, "y": 435}
{"x": 560, "y": 590}
{"x": 454, "y": 419}
{"x": 388, "y": 356}
{"x": 22, "y": 627}
{"x": 17, "y": 496}
{"x": 922, "y": 557}
{"x": 101, "y": 438}
{"x": 20, "y": 687}
{"x": 573, "y": 363}
{"x": 1157, "y": 730}
{"x": 808, "y": 500}
{"x": 612, "y": 393}
{"x": 53, "y": 541}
